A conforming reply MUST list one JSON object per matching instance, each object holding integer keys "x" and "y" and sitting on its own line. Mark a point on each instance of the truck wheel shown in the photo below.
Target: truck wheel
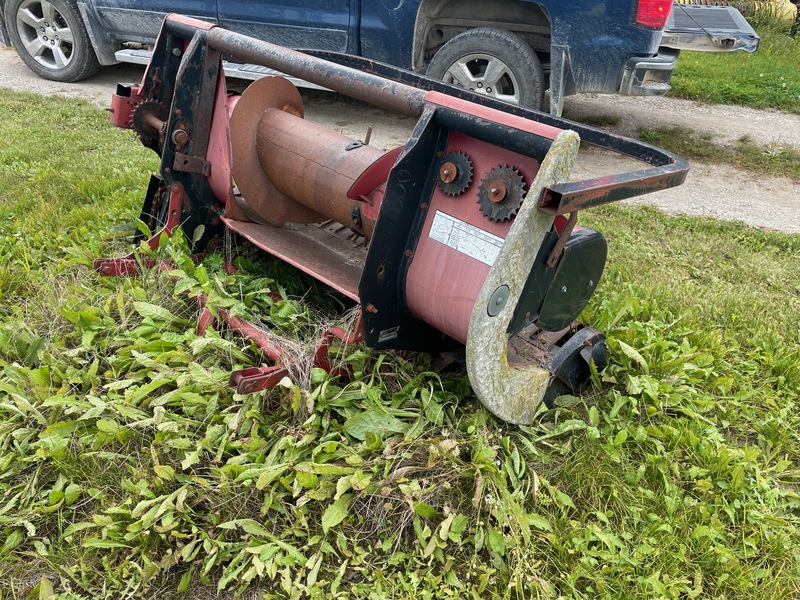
{"x": 494, "y": 62}
{"x": 50, "y": 37}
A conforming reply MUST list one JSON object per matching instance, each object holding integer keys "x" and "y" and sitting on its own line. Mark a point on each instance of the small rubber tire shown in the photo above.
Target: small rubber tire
{"x": 515, "y": 73}
{"x": 51, "y": 38}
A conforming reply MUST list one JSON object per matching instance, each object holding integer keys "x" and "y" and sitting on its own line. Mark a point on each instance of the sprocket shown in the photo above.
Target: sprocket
{"x": 501, "y": 193}
{"x": 139, "y": 121}
{"x": 455, "y": 173}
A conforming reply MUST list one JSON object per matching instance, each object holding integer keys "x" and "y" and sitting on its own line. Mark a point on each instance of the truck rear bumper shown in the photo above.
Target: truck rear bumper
{"x": 709, "y": 29}
{"x": 649, "y": 76}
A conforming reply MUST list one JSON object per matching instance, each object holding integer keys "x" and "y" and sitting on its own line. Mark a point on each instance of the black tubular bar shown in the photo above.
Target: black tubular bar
{"x": 404, "y": 93}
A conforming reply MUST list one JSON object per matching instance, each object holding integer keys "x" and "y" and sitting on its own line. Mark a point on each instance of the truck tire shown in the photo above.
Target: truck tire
{"x": 494, "y": 62}
{"x": 51, "y": 38}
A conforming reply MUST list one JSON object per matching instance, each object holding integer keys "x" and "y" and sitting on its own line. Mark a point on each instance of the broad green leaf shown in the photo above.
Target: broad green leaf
{"x": 270, "y": 474}
{"x": 423, "y": 509}
{"x": 539, "y": 522}
{"x": 336, "y": 512}
{"x": 620, "y": 438}
{"x": 107, "y": 426}
{"x": 373, "y": 420}
{"x": 153, "y": 311}
{"x": 594, "y": 416}
{"x": 496, "y": 541}
{"x": 326, "y": 469}
{"x": 634, "y": 355}
{"x": 164, "y": 472}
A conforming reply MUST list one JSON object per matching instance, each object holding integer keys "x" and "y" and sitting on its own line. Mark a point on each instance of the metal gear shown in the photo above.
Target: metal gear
{"x": 501, "y": 193}
{"x": 143, "y": 125}
{"x": 455, "y": 173}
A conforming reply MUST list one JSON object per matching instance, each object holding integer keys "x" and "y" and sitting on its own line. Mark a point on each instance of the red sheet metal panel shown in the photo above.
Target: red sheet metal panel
{"x": 458, "y": 243}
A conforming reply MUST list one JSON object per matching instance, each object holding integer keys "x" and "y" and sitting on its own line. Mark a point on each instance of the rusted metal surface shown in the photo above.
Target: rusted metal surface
{"x": 570, "y": 197}
{"x": 123, "y": 104}
{"x": 311, "y": 165}
{"x": 325, "y": 257}
{"x": 448, "y": 172}
{"x": 396, "y": 97}
{"x": 262, "y": 202}
{"x": 558, "y": 249}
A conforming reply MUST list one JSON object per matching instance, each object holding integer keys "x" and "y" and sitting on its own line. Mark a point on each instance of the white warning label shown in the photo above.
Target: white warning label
{"x": 465, "y": 238}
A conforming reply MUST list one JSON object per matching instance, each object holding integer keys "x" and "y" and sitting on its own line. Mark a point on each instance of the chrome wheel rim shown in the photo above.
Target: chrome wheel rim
{"x": 45, "y": 34}
{"x": 484, "y": 74}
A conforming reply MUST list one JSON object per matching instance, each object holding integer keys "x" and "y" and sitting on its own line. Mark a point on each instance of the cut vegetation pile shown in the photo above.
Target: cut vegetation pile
{"x": 129, "y": 469}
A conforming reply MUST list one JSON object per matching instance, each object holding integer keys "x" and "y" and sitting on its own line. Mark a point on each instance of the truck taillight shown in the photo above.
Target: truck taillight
{"x": 653, "y": 13}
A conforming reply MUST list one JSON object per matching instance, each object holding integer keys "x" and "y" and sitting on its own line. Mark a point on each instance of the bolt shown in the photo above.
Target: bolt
{"x": 480, "y": 85}
{"x": 448, "y": 172}
{"x": 488, "y": 90}
{"x": 564, "y": 290}
{"x": 41, "y": 28}
{"x": 497, "y": 192}
{"x": 180, "y": 137}
{"x": 409, "y": 254}
{"x": 52, "y": 42}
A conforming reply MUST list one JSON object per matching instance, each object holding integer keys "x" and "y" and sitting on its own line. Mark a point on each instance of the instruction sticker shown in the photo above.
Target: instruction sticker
{"x": 465, "y": 238}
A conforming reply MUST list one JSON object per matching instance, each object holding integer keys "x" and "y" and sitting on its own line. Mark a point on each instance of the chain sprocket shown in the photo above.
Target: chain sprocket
{"x": 139, "y": 121}
{"x": 501, "y": 193}
{"x": 455, "y": 173}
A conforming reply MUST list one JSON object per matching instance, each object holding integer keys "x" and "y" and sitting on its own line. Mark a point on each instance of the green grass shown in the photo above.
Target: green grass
{"x": 129, "y": 469}
{"x": 768, "y": 78}
{"x": 776, "y": 160}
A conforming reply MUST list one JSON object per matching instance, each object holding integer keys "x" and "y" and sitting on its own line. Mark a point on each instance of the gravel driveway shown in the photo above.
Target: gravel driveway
{"x": 720, "y": 191}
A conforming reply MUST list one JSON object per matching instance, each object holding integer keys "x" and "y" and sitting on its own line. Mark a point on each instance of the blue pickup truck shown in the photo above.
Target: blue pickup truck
{"x": 513, "y": 50}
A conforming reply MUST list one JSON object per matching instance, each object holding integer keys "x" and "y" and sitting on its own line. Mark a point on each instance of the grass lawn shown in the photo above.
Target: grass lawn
{"x": 129, "y": 469}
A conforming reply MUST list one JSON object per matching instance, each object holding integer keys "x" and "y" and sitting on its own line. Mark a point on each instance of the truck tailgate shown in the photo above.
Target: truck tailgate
{"x": 708, "y": 29}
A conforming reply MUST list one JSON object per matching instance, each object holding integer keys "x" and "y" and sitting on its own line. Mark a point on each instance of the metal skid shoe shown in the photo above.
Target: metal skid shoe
{"x": 458, "y": 239}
